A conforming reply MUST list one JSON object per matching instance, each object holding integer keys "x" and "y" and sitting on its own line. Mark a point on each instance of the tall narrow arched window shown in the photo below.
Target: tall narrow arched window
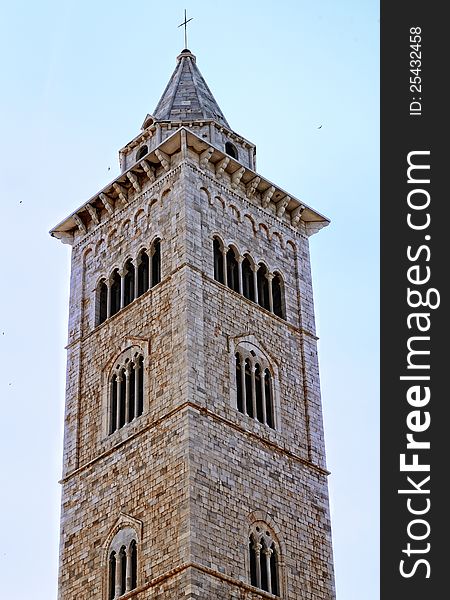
{"x": 259, "y": 394}
{"x": 218, "y": 261}
{"x": 131, "y": 393}
{"x": 122, "y": 565}
{"x": 129, "y": 283}
{"x": 102, "y": 302}
{"x": 140, "y": 388}
{"x": 248, "y": 388}
{"x": 263, "y": 287}
{"x": 248, "y": 280}
{"x": 268, "y": 394}
{"x": 143, "y": 272}
{"x": 254, "y": 384}
{"x": 123, "y": 570}
{"x": 112, "y": 576}
{"x": 274, "y": 571}
{"x": 232, "y": 270}
{"x": 264, "y": 559}
{"x": 278, "y": 296}
{"x": 231, "y": 150}
{"x": 126, "y": 393}
{"x": 113, "y": 405}
{"x": 143, "y": 150}
{"x": 123, "y": 380}
{"x": 156, "y": 262}
{"x": 114, "y": 291}
{"x": 133, "y": 576}
{"x": 239, "y": 389}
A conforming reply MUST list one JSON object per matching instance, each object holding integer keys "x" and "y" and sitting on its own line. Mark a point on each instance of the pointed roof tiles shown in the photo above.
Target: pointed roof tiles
{"x": 187, "y": 96}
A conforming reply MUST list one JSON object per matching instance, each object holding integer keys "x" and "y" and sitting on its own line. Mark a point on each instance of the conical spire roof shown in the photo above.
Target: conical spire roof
{"x": 187, "y": 97}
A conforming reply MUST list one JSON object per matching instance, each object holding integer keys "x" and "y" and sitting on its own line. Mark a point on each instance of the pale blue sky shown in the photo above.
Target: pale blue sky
{"x": 77, "y": 79}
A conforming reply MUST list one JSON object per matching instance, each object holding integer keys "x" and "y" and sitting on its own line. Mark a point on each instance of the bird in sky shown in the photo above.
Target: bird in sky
{"x": 320, "y": 127}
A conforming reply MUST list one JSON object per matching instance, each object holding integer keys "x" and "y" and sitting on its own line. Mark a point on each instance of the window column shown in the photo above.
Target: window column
{"x": 263, "y": 395}
{"x": 108, "y": 298}
{"x": 243, "y": 389}
{"x": 127, "y": 393}
{"x": 252, "y": 371}
{"x": 128, "y": 585}
{"x": 267, "y": 554}
{"x": 257, "y": 548}
{"x": 137, "y": 262}
{"x": 122, "y": 287}
{"x": 269, "y": 277}
{"x": 118, "y": 577}
{"x": 255, "y": 282}
{"x": 240, "y": 260}
{"x": 119, "y": 399}
{"x": 137, "y": 367}
{"x": 225, "y": 266}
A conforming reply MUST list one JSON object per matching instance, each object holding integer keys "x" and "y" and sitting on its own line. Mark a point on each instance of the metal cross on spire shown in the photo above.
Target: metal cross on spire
{"x": 185, "y": 22}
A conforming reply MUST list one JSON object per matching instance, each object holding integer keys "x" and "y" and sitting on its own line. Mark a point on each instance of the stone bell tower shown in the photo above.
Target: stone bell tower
{"x": 194, "y": 460}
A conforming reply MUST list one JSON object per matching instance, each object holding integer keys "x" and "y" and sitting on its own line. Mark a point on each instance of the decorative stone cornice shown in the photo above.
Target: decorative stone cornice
{"x": 213, "y": 161}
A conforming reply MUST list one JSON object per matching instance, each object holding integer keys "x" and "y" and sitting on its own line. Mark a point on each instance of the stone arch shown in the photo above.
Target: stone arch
{"x": 219, "y": 200}
{"x": 150, "y": 205}
{"x": 163, "y": 193}
{"x": 262, "y": 228}
{"x": 279, "y": 237}
{"x": 252, "y": 222}
{"x": 111, "y": 237}
{"x": 138, "y": 215}
{"x": 235, "y": 212}
{"x": 125, "y": 227}
{"x": 100, "y": 246}
{"x": 204, "y": 193}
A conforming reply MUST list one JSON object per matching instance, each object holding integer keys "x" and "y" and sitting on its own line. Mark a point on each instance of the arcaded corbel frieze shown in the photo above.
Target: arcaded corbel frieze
{"x": 267, "y": 196}
{"x": 121, "y": 192}
{"x": 296, "y": 215}
{"x": 163, "y": 158}
{"x": 107, "y": 203}
{"x": 281, "y": 206}
{"x": 236, "y": 177}
{"x": 93, "y": 212}
{"x": 205, "y": 156}
{"x": 251, "y": 186}
{"x": 134, "y": 181}
{"x": 81, "y": 226}
{"x": 221, "y": 166}
{"x": 149, "y": 171}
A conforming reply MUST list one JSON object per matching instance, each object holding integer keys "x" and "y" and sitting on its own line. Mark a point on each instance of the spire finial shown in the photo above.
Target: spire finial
{"x": 185, "y": 22}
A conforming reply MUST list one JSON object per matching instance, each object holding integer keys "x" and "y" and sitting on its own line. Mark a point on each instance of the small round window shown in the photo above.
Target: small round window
{"x": 231, "y": 150}
{"x": 143, "y": 150}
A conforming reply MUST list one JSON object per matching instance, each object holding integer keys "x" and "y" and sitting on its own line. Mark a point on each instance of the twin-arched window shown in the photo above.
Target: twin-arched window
{"x": 124, "y": 286}
{"x": 243, "y": 275}
{"x": 122, "y": 564}
{"x": 254, "y": 388}
{"x": 126, "y": 395}
{"x": 264, "y": 558}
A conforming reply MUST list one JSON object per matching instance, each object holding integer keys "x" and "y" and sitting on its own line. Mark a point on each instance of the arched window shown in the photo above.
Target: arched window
{"x": 112, "y": 576}
{"x": 126, "y": 395}
{"x": 129, "y": 283}
{"x": 156, "y": 262}
{"x": 277, "y": 295}
{"x": 231, "y": 150}
{"x": 115, "y": 293}
{"x": 122, "y": 564}
{"x": 218, "y": 261}
{"x": 143, "y": 150}
{"x": 254, "y": 387}
{"x": 232, "y": 270}
{"x": 102, "y": 302}
{"x": 248, "y": 279}
{"x": 143, "y": 273}
{"x": 264, "y": 559}
{"x": 263, "y": 287}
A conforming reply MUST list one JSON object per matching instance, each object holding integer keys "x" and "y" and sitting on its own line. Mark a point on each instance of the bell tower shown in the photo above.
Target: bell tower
{"x": 194, "y": 460}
